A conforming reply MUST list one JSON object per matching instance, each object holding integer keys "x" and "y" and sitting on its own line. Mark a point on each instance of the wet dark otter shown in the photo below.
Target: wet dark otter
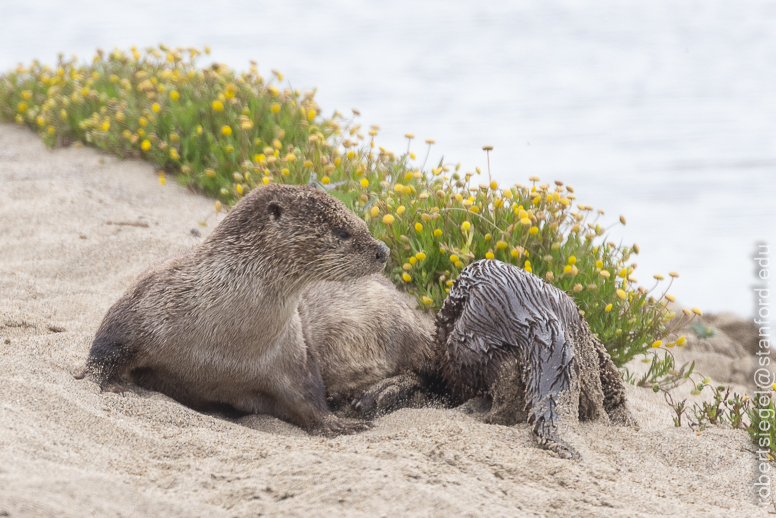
{"x": 506, "y": 333}
{"x": 220, "y": 324}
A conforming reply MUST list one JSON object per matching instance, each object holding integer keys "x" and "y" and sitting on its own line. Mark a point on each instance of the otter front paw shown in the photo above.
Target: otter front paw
{"x": 332, "y": 426}
{"x": 387, "y": 395}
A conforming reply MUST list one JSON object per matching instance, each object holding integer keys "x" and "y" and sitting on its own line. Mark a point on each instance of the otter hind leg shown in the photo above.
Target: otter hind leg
{"x": 613, "y": 390}
{"x": 591, "y": 394}
{"x": 508, "y": 395}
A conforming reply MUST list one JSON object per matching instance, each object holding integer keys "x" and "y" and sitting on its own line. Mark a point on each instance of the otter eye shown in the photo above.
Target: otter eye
{"x": 342, "y": 235}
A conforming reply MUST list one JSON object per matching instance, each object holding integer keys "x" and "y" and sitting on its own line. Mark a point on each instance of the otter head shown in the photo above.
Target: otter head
{"x": 301, "y": 232}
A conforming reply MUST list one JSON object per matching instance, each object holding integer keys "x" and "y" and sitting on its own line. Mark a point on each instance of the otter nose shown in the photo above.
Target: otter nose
{"x": 382, "y": 252}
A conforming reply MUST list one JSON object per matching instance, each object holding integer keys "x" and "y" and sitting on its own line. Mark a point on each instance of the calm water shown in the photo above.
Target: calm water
{"x": 661, "y": 110}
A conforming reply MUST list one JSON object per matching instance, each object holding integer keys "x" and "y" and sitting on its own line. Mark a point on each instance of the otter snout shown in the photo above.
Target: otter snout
{"x": 382, "y": 252}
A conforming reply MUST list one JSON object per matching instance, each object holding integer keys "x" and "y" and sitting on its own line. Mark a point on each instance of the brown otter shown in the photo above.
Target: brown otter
{"x": 372, "y": 343}
{"x": 506, "y": 333}
{"x": 220, "y": 324}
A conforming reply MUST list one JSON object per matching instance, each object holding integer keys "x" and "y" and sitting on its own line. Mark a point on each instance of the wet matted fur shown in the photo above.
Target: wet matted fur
{"x": 506, "y": 333}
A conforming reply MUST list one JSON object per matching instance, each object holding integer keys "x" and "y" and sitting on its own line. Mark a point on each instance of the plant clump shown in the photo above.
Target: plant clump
{"x": 226, "y": 133}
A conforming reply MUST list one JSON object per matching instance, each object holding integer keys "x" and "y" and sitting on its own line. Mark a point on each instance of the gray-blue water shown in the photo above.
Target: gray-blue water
{"x": 661, "y": 110}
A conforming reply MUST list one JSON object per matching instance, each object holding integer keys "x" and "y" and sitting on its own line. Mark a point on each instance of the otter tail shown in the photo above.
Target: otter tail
{"x": 109, "y": 356}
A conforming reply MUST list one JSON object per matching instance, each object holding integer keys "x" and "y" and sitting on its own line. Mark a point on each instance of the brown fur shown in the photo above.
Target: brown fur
{"x": 220, "y": 325}
{"x": 370, "y": 339}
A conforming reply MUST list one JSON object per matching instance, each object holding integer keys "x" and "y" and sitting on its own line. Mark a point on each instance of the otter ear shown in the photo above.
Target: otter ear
{"x": 275, "y": 210}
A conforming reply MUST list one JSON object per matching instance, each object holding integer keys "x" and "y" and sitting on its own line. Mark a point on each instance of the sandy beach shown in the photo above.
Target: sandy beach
{"x": 77, "y": 226}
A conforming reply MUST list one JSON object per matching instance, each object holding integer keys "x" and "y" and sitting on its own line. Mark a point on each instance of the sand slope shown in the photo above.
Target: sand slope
{"x": 68, "y": 450}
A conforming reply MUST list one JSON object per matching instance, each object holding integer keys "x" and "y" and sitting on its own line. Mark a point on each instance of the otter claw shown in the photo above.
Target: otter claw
{"x": 115, "y": 388}
{"x": 332, "y": 427}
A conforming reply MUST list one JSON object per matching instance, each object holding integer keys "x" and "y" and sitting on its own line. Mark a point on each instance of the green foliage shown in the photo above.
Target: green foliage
{"x": 724, "y": 409}
{"x": 762, "y": 416}
{"x": 661, "y": 374}
{"x": 226, "y": 133}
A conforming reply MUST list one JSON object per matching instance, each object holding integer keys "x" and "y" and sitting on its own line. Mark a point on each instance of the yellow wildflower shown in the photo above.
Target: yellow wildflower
{"x": 420, "y": 256}
{"x": 218, "y": 106}
{"x": 400, "y": 209}
{"x": 145, "y": 145}
{"x": 155, "y": 107}
{"x": 174, "y": 95}
{"x": 697, "y": 312}
{"x": 437, "y": 232}
{"x": 608, "y": 307}
{"x": 501, "y": 245}
{"x": 427, "y": 301}
{"x": 604, "y": 273}
{"x": 406, "y": 277}
{"x": 670, "y": 297}
{"x": 657, "y": 344}
{"x": 466, "y": 226}
{"x": 364, "y": 182}
{"x": 388, "y": 219}
{"x": 621, "y": 293}
{"x": 418, "y": 227}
